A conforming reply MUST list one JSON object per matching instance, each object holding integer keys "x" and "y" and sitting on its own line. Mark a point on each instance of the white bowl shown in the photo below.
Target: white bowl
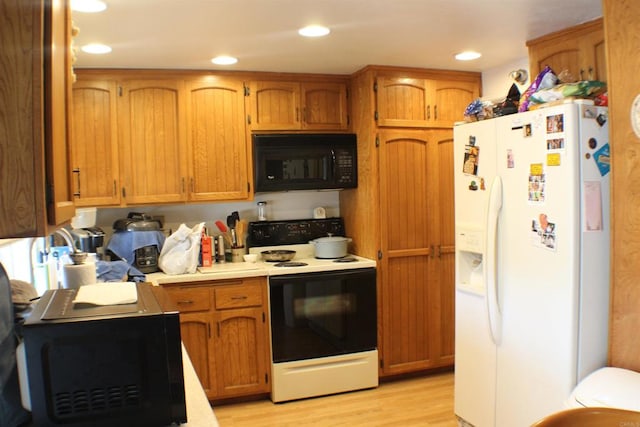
{"x": 250, "y": 257}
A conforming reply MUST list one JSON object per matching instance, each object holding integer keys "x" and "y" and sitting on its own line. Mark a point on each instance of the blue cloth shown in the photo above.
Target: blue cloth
{"x": 125, "y": 243}
{"x": 117, "y": 271}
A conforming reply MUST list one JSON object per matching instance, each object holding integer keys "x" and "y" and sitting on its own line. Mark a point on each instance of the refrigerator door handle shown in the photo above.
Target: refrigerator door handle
{"x": 491, "y": 251}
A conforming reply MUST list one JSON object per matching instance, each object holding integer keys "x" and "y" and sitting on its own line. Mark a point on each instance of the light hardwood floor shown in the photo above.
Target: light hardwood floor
{"x": 420, "y": 401}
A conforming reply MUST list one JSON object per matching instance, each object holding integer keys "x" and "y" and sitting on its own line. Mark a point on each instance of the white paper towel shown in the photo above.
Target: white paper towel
{"x": 76, "y": 275}
{"x": 111, "y": 293}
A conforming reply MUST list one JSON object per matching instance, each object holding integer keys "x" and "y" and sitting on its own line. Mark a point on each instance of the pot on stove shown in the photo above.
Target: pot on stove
{"x": 330, "y": 247}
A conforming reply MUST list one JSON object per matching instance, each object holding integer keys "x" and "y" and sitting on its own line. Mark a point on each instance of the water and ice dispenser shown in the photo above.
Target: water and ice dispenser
{"x": 469, "y": 263}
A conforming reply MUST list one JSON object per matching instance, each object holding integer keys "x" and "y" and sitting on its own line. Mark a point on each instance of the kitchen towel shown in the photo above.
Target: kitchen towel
{"x": 107, "y": 294}
{"x": 125, "y": 243}
{"x": 76, "y": 275}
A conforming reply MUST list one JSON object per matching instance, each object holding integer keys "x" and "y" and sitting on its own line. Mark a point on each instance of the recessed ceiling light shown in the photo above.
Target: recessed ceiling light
{"x": 96, "y": 48}
{"x": 224, "y": 60}
{"x": 88, "y": 6}
{"x": 468, "y": 55}
{"x": 314, "y": 31}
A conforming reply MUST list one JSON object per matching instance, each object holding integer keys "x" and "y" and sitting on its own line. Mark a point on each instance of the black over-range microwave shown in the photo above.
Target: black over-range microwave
{"x": 283, "y": 162}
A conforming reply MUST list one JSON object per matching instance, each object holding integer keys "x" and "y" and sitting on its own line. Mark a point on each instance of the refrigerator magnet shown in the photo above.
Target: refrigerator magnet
{"x": 510, "y": 159}
{"x": 543, "y": 232}
{"x": 592, "y": 191}
{"x": 553, "y": 159}
{"x": 537, "y": 183}
{"x": 555, "y": 144}
{"x": 471, "y": 154}
{"x": 555, "y": 123}
{"x": 603, "y": 160}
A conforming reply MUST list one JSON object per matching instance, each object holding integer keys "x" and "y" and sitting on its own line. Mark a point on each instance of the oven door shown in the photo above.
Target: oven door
{"x": 323, "y": 314}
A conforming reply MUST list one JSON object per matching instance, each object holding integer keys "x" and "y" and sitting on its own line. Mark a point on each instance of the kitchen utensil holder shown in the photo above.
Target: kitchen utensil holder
{"x": 237, "y": 253}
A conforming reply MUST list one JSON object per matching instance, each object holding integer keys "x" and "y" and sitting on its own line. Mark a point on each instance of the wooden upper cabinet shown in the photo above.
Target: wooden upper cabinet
{"x": 216, "y": 139}
{"x": 274, "y": 105}
{"x": 58, "y": 79}
{"x": 419, "y": 102}
{"x": 152, "y": 130}
{"x": 94, "y": 143}
{"x": 280, "y": 105}
{"x": 579, "y": 49}
{"x": 34, "y": 39}
{"x": 324, "y": 106}
{"x": 402, "y": 102}
{"x": 451, "y": 98}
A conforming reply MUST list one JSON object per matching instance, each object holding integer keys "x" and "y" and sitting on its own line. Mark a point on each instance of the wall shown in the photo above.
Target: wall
{"x": 496, "y": 81}
{"x": 622, "y": 35}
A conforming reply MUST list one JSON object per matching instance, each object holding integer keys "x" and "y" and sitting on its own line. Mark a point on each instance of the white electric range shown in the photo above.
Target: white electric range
{"x": 323, "y": 312}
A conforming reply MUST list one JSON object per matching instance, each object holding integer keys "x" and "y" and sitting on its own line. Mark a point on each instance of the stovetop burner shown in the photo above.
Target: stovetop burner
{"x": 291, "y": 264}
{"x": 346, "y": 259}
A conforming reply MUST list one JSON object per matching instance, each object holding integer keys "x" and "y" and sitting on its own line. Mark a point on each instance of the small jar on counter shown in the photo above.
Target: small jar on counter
{"x": 262, "y": 211}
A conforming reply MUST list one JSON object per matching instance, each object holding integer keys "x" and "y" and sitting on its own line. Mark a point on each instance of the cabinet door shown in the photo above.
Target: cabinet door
{"x": 22, "y": 201}
{"x": 417, "y": 266}
{"x": 195, "y": 330}
{"x": 325, "y": 106}
{"x": 241, "y": 347}
{"x": 579, "y": 50}
{"x": 402, "y": 102}
{"x": 274, "y": 105}
{"x": 57, "y": 86}
{"x": 151, "y": 123}
{"x": 443, "y": 319}
{"x": 406, "y": 160}
{"x": 448, "y": 100}
{"x": 218, "y": 163}
{"x": 94, "y": 143}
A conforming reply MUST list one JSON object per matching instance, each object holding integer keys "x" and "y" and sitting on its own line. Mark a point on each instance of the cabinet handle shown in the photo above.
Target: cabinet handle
{"x": 76, "y": 171}
{"x": 428, "y": 112}
{"x": 590, "y": 73}
{"x": 183, "y": 186}
{"x": 431, "y": 251}
{"x": 115, "y": 188}
{"x": 193, "y": 185}
{"x": 297, "y": 114}
{"x": 239, "y": 297}
{"x": 185, "y": 302}
{"x": 209, "y": 329}
{"x": 218, "y": 323}
{"x": 438, "y": 251}
{"x": 581, "y": 74}
{"x": 435, "y": 112}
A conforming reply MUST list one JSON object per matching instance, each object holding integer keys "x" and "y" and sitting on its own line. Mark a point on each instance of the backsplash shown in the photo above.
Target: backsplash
{"x": 283, "y": 205}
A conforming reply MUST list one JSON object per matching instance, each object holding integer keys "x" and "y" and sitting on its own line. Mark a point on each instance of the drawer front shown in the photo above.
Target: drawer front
{"x": 191, "y": 299}
{"x": 238, "y": 296}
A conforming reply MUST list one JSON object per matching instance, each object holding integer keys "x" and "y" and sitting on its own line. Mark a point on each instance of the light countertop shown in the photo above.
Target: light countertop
{"x": 199, "y": 411}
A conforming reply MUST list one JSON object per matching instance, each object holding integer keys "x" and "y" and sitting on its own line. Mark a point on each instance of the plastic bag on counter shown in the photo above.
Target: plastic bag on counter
{"x": 546, "y": 79}
{"x": 180, "y": 252}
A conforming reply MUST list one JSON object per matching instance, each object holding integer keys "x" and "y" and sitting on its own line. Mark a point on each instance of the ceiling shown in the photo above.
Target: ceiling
{"x": 262, "y": 34}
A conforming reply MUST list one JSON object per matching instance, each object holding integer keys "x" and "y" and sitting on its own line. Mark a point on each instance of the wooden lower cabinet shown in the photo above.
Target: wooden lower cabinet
{"x": 223, "y": 325}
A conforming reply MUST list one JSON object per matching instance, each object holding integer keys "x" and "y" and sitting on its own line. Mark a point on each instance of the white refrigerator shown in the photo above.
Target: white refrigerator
{"x": 532, "y": 261}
